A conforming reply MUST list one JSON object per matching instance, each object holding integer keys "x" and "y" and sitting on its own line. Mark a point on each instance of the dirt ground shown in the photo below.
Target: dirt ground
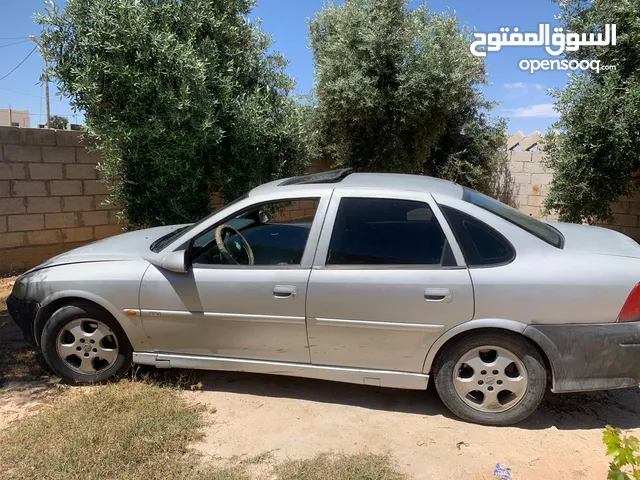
{"x": 272, "y": 418}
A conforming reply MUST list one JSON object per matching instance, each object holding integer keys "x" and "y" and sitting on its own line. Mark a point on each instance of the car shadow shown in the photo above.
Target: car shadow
{"x": 574, "y": 411}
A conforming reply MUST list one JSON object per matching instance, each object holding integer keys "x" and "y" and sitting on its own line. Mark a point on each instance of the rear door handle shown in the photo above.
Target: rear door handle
{"x": 439, "y": 295}
{"x": 285, "y": 291}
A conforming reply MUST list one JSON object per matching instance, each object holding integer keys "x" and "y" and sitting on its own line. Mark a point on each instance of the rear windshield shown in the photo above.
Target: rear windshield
{"x": 535, "y": 227}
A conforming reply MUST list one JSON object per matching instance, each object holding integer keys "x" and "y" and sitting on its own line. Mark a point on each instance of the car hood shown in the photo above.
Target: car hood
{"x": 127, "y": 246}
{"x": 589, "y": 239}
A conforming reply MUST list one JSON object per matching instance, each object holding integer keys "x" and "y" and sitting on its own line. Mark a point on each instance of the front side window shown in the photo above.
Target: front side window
{"x": 269, "y": 234}
{"x": 533, "y": 226}
{"x": 380, "y": 231}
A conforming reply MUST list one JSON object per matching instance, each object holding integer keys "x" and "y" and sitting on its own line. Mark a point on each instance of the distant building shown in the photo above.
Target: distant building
{"x": 14, "y": 118}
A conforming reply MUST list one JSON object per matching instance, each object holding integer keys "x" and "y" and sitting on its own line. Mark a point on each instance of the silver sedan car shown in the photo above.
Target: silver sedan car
{"x": 375, "y": 279}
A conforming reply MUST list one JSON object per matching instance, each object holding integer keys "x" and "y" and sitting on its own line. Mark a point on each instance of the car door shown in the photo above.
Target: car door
{"x": 388, "y": 279}
{"x": 240, "y": 311}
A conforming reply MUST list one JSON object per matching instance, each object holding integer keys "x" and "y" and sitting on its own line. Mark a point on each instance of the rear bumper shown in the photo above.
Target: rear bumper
{"x": 590, "y": 357}
{"x": 23, "y": 314}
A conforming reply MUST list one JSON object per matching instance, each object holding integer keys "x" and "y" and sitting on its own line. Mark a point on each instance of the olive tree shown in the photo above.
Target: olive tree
{"x": 397, "y": 90}
{"x": 594, "y": 146}
{"x": 181, "y": 98}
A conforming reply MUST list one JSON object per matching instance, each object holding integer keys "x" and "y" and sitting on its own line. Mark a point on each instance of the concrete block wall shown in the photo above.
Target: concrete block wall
{"x": 50, "y": 197}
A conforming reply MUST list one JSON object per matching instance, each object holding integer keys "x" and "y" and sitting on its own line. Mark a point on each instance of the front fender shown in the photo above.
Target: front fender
{"x": 132, "y": 325}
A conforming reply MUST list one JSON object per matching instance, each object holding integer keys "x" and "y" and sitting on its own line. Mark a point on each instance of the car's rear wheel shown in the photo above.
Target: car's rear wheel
{"x": 491, "y": 378}
{"x": 84, "y": 344}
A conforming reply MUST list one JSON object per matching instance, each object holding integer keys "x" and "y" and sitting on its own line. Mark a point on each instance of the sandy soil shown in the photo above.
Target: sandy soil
{"x": 297, "y": 418}
{"x": 271, "y": 417}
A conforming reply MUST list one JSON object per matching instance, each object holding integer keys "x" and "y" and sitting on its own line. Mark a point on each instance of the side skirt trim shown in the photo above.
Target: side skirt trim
{"x": 383, "y": 378}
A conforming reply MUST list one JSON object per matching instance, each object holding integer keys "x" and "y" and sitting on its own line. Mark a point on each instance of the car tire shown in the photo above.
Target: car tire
{"x": 83, "y": 344}
{"x": 474, "y": 381}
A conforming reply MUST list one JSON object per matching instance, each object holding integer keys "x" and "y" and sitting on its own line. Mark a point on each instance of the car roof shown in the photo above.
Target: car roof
{"x": 386, "y": 181}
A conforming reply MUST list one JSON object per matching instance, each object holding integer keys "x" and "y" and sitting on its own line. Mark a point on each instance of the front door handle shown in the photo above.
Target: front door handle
{"x": 285, "y": 291}
{"x": 439, "y": 295}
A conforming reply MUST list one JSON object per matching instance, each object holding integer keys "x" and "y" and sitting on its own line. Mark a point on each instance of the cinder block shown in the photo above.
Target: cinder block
{"x": 3, "y": 224}
{"x": 37, "y": 136}
{"x": 535, "y": 200}
{"x": 77, "y": 204}
{"x": 43, "y": 205}
{"x": 541, "y": 178}
{"x": 633, "y": 232}
{"x": 103, "y": 231}
{"x": 113, "y": 217}
{"x": 77, "y": 234}
{"x": 9, "y": 206}
{"x": 531, "y": 211}
{"x": 95, "y": 187}
{"x": 520, "y": 156}
{"x": 65, "y": 187}
{"x": 96, "y": 218}
{"x": 81, "y": 171}
{"x": 45, "y": 171}
{"x": 28, "y": 188}
{"x": 12, "y": 171}
{"x": 533, "y": 167}
{"x": 634, "y": 208}
{"x": 624, "y": 220}
{"x": 516, "y": 167}
{"x": 22, "y": 223}
{"x": 5, "y": 189}
{"x": 522, "y": 178}
{"x": 58, "y": 154}
{"x": 13, "y": 239}
{"x": 67, "y": 138}
{"x": 61, "y": 220}
{"x": 22, "y": 153}
{"x": 44, "y": 237}
{"x": 9, "y": 135}
{"x": 620, "y": 207}
{"x": 85, "y": 156}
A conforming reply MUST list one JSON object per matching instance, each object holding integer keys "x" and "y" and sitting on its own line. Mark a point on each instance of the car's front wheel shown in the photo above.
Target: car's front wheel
{"x": 491, "y": 378}
{"x": 84, "y": 344}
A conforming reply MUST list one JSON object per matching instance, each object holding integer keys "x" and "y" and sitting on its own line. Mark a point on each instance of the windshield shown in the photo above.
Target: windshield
{"x": 535, "y": 227}
{"x": 170, "y": 237}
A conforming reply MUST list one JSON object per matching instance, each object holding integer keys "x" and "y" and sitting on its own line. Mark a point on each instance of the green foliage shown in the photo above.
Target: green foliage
{"x": 59, "y": 122}
{"x": 180, "y": 97}
{"x": 595, "y": 153}
{"x": 397, "y": 90}
{"x": 625, "y": 450}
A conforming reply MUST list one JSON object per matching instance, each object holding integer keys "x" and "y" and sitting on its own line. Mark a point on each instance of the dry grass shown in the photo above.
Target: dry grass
{"x": 364, "y": 466}
{"x": 118, "y": 431}
{"x": 140, "y": 430}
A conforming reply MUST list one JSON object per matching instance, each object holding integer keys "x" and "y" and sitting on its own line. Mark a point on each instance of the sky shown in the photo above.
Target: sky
{"x": 523, "y": 97}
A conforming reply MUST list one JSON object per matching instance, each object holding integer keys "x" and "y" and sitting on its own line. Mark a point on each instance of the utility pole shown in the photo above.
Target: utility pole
{"x": 46, "y": 78}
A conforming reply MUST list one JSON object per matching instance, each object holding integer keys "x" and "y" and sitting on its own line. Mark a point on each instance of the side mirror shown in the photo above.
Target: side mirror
{"x": 175, "y": 262}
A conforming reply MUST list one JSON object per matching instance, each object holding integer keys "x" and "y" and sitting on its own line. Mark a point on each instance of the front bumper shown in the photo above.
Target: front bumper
{"x": 590, "y": 356}
{"x": 23, "y": 314}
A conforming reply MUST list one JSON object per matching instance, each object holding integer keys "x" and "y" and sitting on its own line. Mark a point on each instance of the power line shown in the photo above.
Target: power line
{"x": 18, "y": 66}
{"x": 14, "y": 43}
{"x": 30, "y": 94}
{"x": 13, "y": 38}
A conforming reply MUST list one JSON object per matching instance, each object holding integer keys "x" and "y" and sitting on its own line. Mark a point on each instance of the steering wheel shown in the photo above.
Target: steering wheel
{"x": 230, "y": 253}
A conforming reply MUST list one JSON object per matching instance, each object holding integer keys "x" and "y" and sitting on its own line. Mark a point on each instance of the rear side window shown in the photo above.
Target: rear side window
{"x": 481, "y": 245}
{"x": 380, "y": 231}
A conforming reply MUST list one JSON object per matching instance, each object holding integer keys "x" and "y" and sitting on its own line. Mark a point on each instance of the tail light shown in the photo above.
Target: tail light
{"x": 631, "y": 310}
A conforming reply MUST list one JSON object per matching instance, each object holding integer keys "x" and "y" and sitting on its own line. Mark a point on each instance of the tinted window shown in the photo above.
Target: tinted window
{"x": 533, "y": 226}
{"x": 480, "y": 244}
{"x": 378, "y": 231}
